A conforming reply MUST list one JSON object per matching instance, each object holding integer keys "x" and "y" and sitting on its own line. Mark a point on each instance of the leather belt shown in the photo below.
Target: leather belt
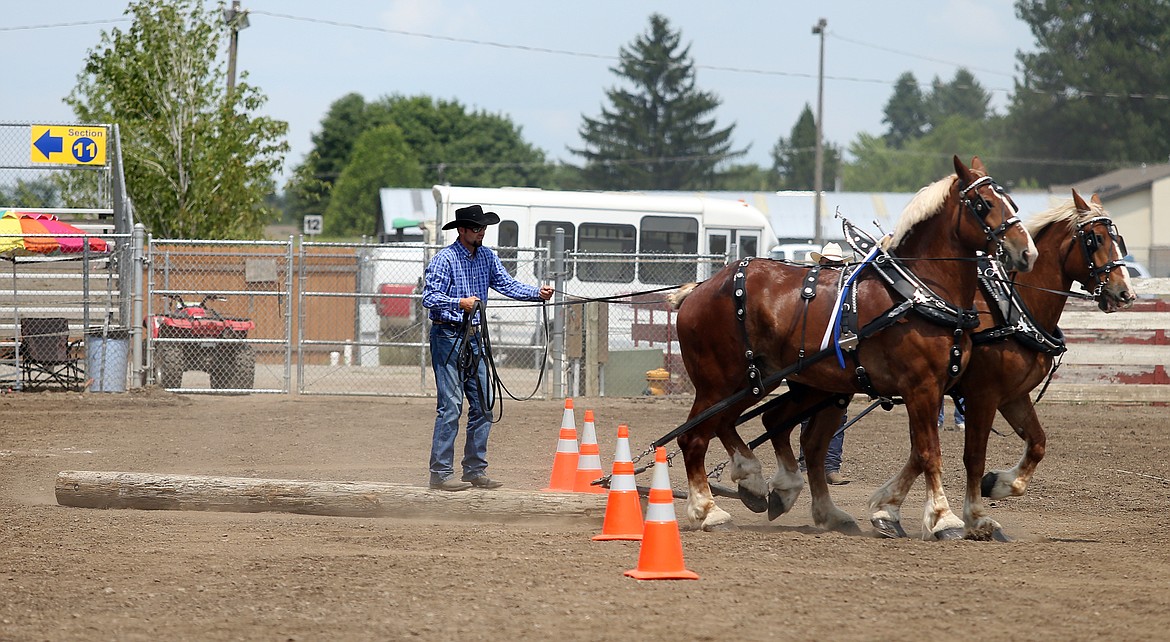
{"x": 451, "y": 324}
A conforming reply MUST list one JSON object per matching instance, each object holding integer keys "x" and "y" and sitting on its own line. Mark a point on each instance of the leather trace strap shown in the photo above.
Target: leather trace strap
{"x": 1016, "y": 320}
{"x": 739, "y": 299}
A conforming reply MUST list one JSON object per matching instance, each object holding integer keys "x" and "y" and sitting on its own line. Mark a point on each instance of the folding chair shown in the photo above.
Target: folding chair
{"x": 47, "y": 356}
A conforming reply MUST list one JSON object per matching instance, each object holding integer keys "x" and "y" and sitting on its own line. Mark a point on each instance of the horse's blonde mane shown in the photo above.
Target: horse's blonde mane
{"x": 926, "y": 203}
{"x": 1065, "y": 211}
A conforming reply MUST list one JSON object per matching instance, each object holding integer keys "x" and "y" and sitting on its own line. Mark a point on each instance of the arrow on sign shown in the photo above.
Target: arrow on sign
{"x": 47, "y": 144}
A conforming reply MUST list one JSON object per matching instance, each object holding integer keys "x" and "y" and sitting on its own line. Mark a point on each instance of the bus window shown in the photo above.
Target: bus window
{"x": 748, "y": 245}
{"x": 546, "y": 231}
{"x": 668, "y": 235}
{"x": 610, "y": 239}
{"x": 509, "y": 238}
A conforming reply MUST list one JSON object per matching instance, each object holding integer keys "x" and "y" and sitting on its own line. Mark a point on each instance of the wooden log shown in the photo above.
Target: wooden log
{"x": 145, "y": 491}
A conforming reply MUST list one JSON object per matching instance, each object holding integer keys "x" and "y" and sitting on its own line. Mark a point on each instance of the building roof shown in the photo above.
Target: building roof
{"x": 1119, "y": 182}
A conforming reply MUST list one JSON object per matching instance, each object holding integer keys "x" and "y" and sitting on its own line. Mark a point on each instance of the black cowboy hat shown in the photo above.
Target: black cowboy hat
{"x": 472, "y": 216}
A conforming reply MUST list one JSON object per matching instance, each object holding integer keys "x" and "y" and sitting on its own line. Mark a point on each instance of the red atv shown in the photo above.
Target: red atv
{"x": 207, "y": 341}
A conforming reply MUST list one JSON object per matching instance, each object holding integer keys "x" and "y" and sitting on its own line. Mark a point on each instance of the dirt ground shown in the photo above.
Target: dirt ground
{"x": 1091, "y": 558}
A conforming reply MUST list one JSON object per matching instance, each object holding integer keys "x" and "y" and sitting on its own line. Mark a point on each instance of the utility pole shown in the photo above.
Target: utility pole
{"x": 236, "y": 20}
{"x": 819, "y": 160}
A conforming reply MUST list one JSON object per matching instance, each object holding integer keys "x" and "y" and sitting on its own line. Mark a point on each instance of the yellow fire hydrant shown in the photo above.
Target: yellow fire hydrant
{"x": 656, "y": 381}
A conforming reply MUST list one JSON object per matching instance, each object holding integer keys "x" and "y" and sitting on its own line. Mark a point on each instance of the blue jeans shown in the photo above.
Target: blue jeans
{"x": 836, "y": 446}
{"x": 942, "y": 415}
{"x": 451, "y": 390}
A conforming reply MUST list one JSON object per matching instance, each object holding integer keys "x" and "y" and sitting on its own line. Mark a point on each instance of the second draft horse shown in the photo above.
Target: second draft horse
{"x": 756, "y": 319}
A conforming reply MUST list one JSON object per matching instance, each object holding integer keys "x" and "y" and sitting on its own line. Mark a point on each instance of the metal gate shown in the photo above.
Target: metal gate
{"x": 237, "y": 339}
{"x": 362, "y": 330}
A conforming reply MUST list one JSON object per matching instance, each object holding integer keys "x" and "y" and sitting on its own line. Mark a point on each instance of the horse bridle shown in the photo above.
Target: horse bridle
{"x": 977, "y": 205}
{"x": 1089, "y": 241}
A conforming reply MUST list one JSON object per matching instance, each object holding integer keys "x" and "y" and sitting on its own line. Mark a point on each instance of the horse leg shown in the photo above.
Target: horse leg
{"x": 744, "y": 467}
{"x": 787, "y": 483}
{"x": 885, "y": 504}
{"x": 938, "y": 521}
{"x": 815, "y": 443}
{"x": 925, "y": 458}
{"x": 979, "y": 418}
{"x": 700, "y": 504}
{"x": 1021, "y": 414}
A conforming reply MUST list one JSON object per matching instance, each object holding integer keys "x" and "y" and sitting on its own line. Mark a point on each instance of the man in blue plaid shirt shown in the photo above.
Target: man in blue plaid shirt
{"x": 457, "y": 278}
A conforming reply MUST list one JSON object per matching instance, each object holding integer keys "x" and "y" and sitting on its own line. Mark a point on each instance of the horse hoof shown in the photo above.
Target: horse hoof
{"x": 720, "y": 528}
{"x": 888, "y": 529}
{"x": 999, "y": 536}
{"x": 948, "y": 534}
{"x": 987, "y": 484}
{"x": 776, "y": 506}
{"x": 755, "y": 503}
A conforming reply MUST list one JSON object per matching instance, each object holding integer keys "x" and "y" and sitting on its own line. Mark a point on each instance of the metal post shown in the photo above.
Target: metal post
{"x": 139, "y": 264}
{"x": 235, "y": 20}
{"x": 819, "y": 169}
{"x": 558, "y": 333}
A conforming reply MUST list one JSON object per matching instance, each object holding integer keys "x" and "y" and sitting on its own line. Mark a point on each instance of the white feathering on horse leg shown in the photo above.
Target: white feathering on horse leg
{"x": 937, "y": 515}
{"x": 746, "y": 471}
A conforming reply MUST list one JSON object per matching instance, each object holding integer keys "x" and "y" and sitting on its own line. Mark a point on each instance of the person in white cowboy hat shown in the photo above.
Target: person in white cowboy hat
{"x": 456, "y": 280}
{"x": 830, "y": 253}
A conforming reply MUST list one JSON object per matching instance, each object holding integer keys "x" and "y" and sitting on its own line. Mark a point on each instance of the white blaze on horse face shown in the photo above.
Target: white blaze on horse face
{"x": 1032, "y": 253}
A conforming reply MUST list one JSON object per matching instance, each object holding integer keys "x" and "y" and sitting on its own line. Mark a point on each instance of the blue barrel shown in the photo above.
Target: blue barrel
{"x": 106, "y": 357}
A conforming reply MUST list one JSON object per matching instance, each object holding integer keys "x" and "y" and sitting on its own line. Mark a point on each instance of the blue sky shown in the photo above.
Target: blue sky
{"x": 545, "y": 63}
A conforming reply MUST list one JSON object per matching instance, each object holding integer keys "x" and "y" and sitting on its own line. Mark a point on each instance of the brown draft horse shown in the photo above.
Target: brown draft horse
{"x": 1077, "y": 242}
{"x": 911, "y": 358}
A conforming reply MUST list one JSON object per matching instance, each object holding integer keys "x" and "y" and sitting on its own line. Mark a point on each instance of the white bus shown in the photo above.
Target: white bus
{"x": 613, "y": 224}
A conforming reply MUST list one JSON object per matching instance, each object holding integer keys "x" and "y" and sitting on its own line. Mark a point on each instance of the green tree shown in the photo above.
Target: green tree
{"x": 905, "y": 112}
{"x": 462, "y": 147}
{"x": 451, "y": 144}
{"x": 198, "y": 161}
{"x": 794, "y": 159}
{"x": 380, "y": 158}
{"x": 1093, "y": 89}
{"x": 312, "y": 180}
{"x": 658, "y": 134}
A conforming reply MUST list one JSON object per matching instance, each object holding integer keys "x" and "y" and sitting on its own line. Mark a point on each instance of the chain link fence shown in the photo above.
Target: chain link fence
{"x": 218, "y": 315}
{"x": 363, "y": 330}
{"x": 640, "y": 353}
{"x": 347, "y": 319}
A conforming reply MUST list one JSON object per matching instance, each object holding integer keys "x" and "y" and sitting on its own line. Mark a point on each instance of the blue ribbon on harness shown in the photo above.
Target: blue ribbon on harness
{"x": 845, "y": 293}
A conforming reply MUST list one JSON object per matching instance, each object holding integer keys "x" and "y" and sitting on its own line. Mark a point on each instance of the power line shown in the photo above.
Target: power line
{"x": 723, "y": 68}
{"x": 64, "y": 24}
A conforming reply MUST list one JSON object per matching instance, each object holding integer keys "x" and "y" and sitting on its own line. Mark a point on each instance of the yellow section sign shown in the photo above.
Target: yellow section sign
{"x": 68, "y": 144}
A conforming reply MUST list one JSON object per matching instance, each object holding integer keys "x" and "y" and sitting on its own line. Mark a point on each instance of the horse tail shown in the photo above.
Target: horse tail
{"x": 676, "y": 297}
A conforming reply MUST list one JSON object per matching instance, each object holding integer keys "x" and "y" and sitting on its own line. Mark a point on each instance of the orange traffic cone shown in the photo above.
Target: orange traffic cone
{"x": 589, "y": 459}
{"x": 564, "y": 472}
{"x": 661, "y": 556}
{"x": 623, "y": 508}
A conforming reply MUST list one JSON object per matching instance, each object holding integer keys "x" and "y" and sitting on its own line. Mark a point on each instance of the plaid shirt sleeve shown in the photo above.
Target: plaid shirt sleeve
{"x": 437, "y": 285}
{"x": 502, "y": 282}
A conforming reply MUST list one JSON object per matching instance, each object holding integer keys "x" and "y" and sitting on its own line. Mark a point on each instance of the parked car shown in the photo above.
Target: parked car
{"x": 1136, "y": 269}
{"x": 795, "y": 252}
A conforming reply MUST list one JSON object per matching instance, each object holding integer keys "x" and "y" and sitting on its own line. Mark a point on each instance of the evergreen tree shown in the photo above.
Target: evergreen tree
{"x": 905, "y": 113}
{"x": 794, "y": 159}
{"x": 962, "y": 96}
{"x": 1094, "y": 88}
{"x": 198, "y": 160}
{"x": 659, "y": 132}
